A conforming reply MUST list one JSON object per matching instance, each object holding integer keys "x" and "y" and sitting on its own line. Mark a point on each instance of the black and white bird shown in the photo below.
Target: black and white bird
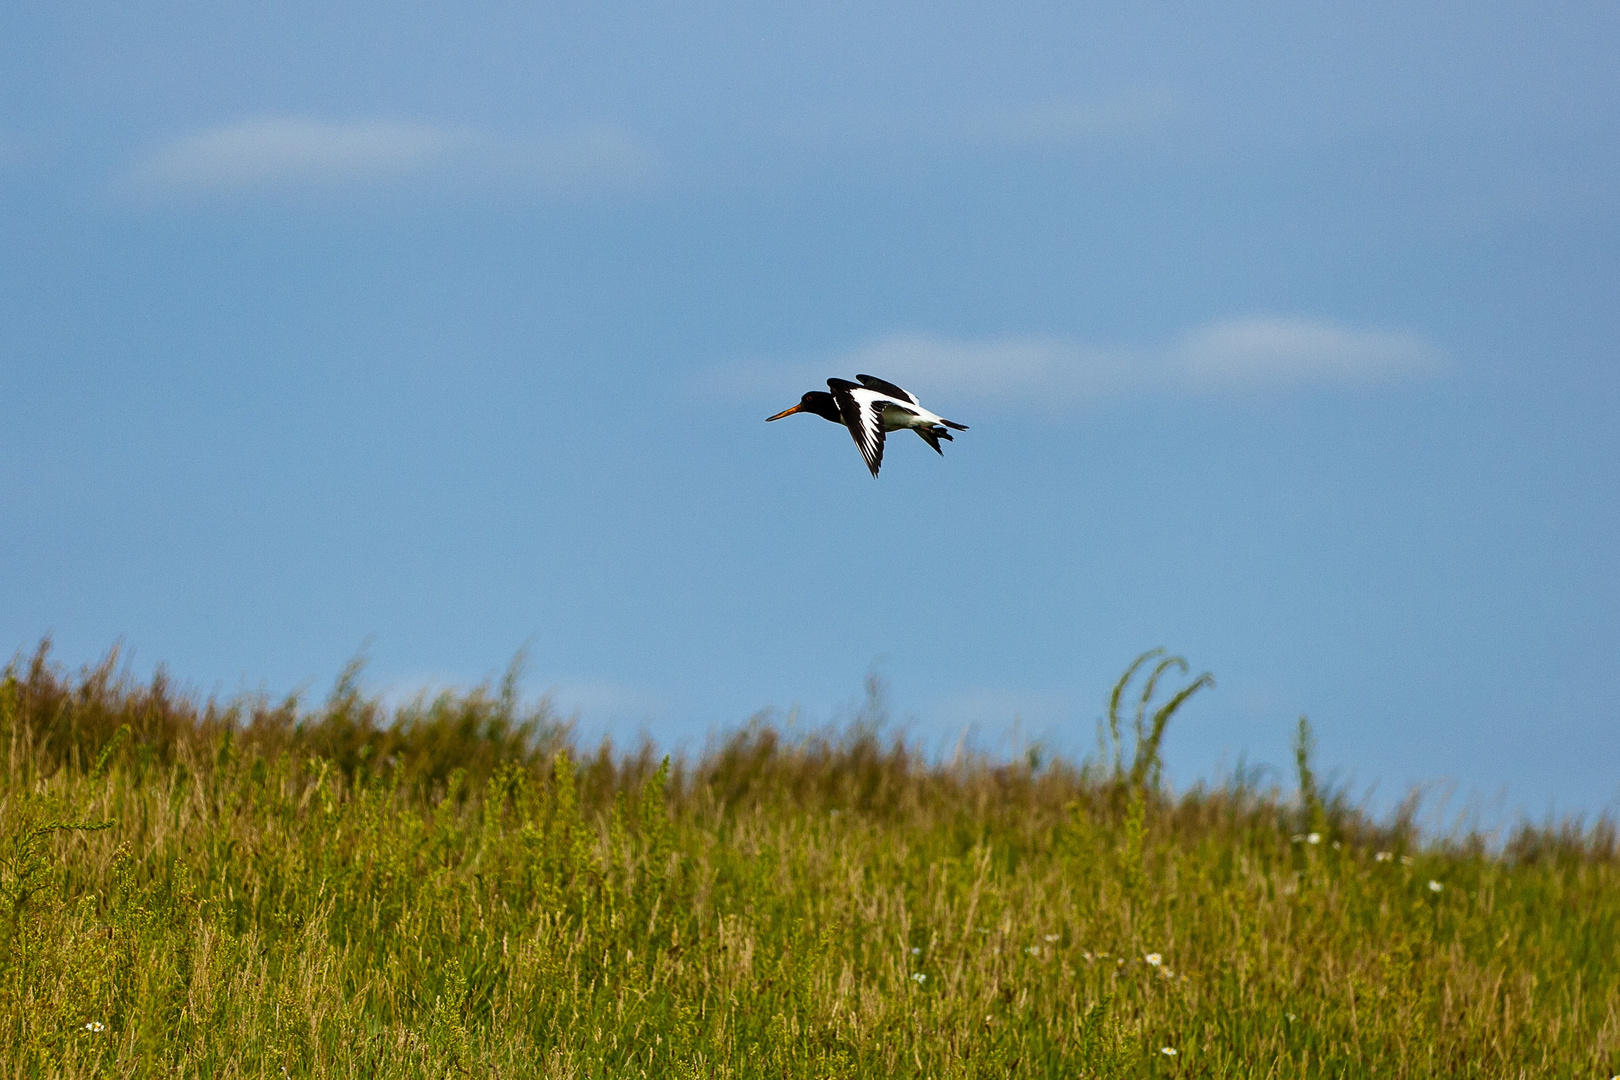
{"x": 869, "y": 409}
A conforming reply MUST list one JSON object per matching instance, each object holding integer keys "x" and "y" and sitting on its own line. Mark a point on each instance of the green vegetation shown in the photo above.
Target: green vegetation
{"x": 450, "y": 888}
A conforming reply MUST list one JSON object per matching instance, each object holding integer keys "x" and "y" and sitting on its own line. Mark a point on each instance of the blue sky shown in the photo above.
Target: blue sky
{"x": 1287, "y": 335}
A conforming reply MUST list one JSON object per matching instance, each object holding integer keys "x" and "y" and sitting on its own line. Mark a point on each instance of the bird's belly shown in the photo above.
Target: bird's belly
{"x": 899, "y": 419}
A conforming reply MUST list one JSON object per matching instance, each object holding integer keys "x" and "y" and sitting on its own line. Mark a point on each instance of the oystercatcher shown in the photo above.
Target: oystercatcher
{"x": 869, "y": 409}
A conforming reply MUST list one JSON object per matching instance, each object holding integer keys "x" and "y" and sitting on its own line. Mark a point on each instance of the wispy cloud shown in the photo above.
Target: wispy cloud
{"x": 1246, "y": 352}
{"x": 276, "y": 151}
{"x": 1227, "y": 356}
{"x": 602, "y": 699}
{"x": 1008, "y": 365}
{"x": 300, "y": 154}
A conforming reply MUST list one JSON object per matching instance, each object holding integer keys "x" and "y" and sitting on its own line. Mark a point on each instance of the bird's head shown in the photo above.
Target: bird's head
{"x": 815, "y": 401}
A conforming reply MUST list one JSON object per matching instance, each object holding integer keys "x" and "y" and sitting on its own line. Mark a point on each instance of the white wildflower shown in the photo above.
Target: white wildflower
{"x": 919, "y": 977}
{"x": 915, "y": 951}
{"x": 1034, "y": 950}
{"x": 1383, "y": 856}
{"x": 95, "y": 1025}
{"x": 1435, "y": 886}
{"x": 1314, "y": 838}
{"x": 1051, "y": 937}
{"x": 1154, "y": 958}
{"x": 1168, "y": 1051}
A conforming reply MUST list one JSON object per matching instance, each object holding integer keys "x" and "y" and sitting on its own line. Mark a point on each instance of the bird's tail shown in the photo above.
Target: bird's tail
{"x": 950, "y": 424}
{"x": 932, "y": 435}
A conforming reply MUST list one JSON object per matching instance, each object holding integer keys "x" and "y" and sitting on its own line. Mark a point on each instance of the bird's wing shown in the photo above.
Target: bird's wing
{"x": 862, "y": 411}
{"x": 872, "y": 382}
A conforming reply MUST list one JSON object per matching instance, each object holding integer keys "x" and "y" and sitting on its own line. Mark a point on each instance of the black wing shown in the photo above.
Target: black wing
{"x": 872, "y": 382}
{"x": 864, "y": 420}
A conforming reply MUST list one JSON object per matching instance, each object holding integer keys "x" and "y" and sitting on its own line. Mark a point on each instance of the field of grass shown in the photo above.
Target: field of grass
{"x": 454, "y": 888}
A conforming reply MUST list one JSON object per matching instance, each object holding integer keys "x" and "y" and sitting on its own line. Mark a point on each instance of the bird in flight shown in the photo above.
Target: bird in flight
{"x": 869, "y": 409}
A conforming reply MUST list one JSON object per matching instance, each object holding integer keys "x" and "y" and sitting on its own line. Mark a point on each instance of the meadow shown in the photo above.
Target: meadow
{"x": 451, "y": 887}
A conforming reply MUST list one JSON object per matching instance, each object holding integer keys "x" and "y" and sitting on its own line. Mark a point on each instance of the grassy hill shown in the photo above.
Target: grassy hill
{"x": 452, "y": 888}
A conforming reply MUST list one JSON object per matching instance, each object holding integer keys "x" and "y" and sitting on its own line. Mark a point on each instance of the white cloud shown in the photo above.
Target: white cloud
{"x": 998, "y": 366}
{"x": 1273, "y": 350}
{"x": 275, "y": 151}
{"x": 602, "y": 699}
{"x": 280, "y": 154}
{"x": 1228, "y": 356}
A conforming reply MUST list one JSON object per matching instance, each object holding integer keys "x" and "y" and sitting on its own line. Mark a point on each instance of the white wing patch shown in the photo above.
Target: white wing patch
{"x": 863, "y": 415}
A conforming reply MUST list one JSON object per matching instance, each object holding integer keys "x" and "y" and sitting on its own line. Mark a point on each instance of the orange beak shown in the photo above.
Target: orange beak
{"x": 785, "y": 412}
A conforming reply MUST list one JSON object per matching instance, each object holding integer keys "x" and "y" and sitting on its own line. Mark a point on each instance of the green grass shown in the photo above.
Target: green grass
{"x": 256, "y": 889}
